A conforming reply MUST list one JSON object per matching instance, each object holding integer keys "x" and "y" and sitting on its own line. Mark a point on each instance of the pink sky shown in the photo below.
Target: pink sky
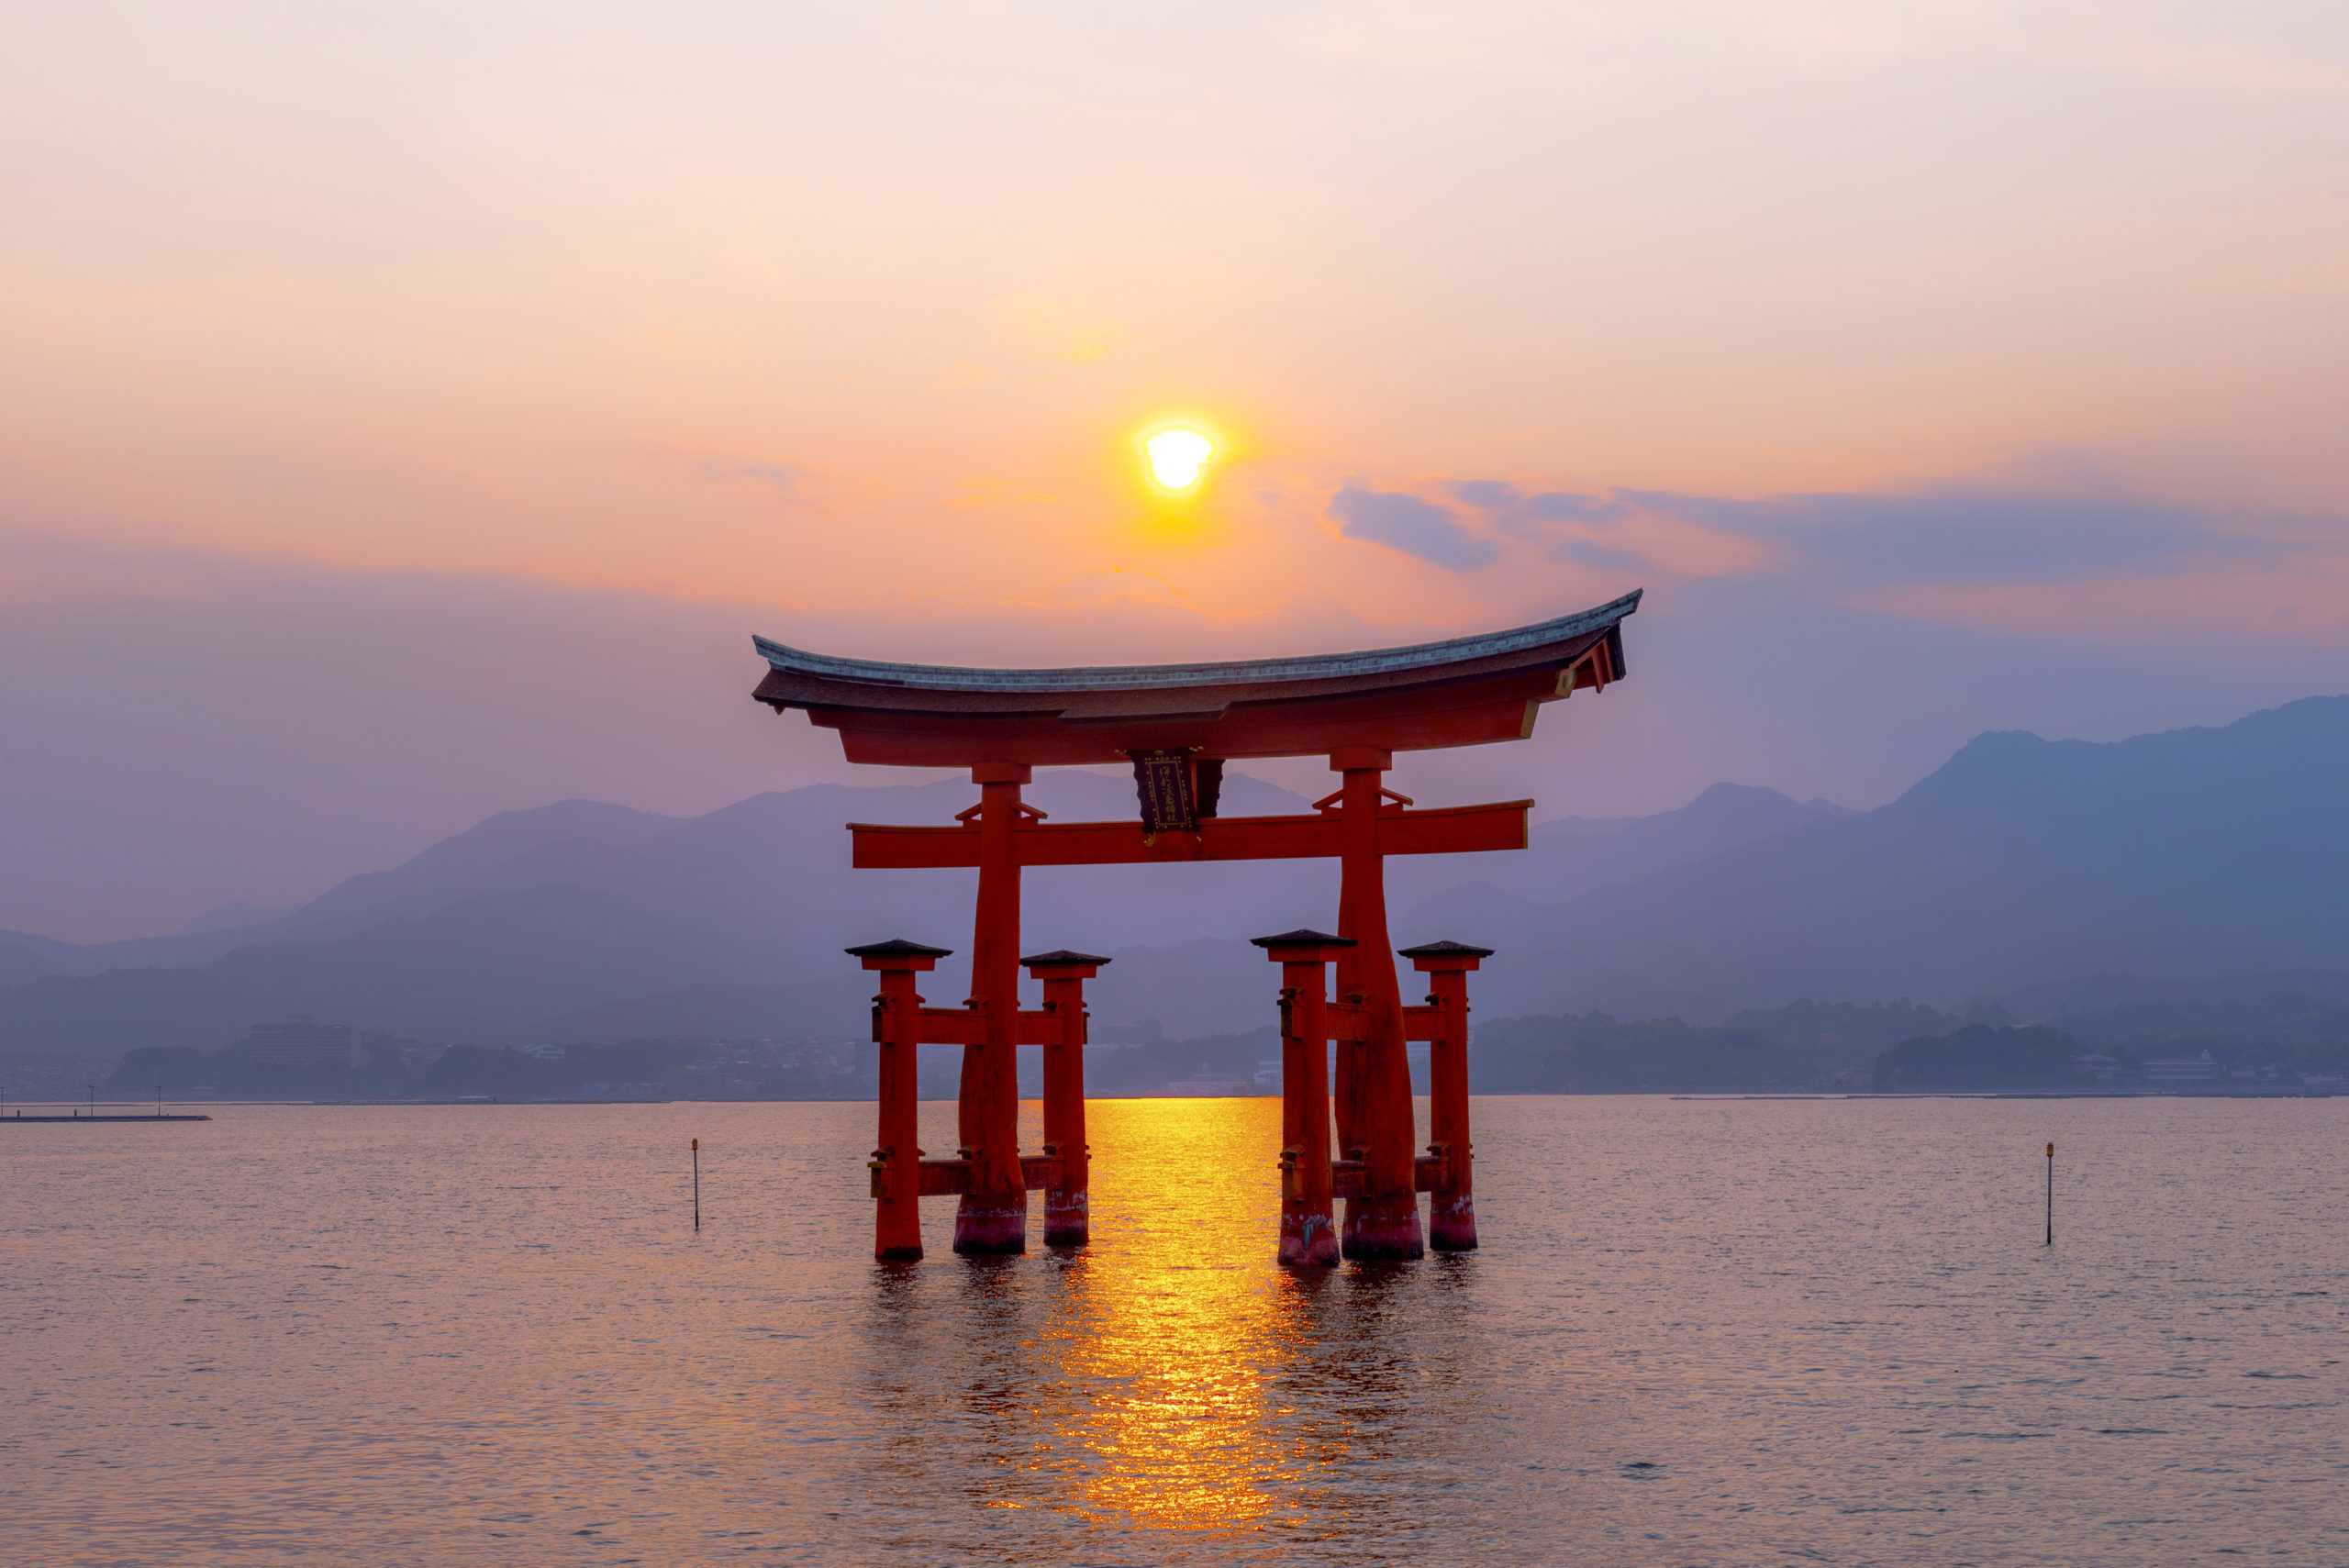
{"x": 1946, "y": 339}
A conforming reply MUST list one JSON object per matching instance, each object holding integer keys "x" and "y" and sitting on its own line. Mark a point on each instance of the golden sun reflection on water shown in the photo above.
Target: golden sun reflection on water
{"x": 1171, "y": 1379}
{"x": 1175, "y": 1360}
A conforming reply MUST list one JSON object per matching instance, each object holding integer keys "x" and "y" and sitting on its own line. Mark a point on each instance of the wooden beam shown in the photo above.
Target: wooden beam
{"x": 1456, "y": 714}
{"x": 966, "y": 1026}
{"x": 1428, "y": 1174}
{"x": 950, "y": 1178}
{"x": 1441, "y": 830}
{"x": 949, "y": 1026}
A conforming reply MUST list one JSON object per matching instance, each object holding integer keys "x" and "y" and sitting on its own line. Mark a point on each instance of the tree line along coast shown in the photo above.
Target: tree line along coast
{"x": 2286, "y": 1042}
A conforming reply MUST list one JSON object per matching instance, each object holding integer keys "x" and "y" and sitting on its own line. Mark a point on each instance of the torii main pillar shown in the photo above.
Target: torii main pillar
{"x": 992, "y": 1214}
{"x": 1373, "y": 1097}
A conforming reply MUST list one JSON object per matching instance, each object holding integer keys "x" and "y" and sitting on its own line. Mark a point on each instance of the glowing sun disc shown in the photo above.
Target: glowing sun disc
{"x": 1177, "y": 457}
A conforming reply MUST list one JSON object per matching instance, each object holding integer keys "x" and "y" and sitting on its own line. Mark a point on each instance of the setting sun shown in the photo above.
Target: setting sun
{"x": 1178, "y": 457}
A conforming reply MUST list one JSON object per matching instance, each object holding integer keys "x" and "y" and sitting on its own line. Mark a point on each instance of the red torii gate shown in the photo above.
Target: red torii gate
{"x": 1179, "y": 724}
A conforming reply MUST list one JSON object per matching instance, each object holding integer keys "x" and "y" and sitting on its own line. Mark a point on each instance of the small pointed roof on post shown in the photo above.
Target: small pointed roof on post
{"x": 1460, "y": 692}
{"x": 898, "y": 953}
{"x": 1429, "y": 956}
{"x": 1303, "y": 946}
{"x": 1063, "y": 965}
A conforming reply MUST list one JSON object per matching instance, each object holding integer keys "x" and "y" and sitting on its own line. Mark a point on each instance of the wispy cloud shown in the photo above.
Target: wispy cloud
{"x": 1513, "y": 510}
{"x": 790, "y": 480}
{"x": 1964, "y": 534}
{"x": 1415, "y": 526}
{"x": 1561, "y": 522}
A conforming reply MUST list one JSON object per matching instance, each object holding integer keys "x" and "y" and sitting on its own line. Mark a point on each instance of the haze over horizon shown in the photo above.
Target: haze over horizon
{"x": 406, "y": 423}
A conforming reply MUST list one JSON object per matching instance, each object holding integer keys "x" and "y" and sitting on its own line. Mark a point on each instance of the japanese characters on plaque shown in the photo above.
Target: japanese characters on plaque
{"x": 1169, "y": 803}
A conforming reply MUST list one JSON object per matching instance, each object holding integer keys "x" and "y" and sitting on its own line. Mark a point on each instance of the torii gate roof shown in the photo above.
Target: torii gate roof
{"x": 1461, "y": 692}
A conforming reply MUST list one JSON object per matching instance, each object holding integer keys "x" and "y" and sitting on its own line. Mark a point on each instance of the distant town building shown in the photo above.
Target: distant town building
{"x": 300, "y": 1042}
{"x": 2181, "y": 1070}
{"x": 548, "y": 1055}
{"x": 2097, "y": 1065}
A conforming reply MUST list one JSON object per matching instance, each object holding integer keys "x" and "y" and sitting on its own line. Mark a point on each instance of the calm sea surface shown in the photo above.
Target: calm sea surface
{"x": 1699, "y": 1332}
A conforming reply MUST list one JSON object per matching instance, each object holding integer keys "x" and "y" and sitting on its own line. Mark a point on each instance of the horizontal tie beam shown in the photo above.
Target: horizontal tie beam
{"x": 1428, "y": 1175}
{"x": 968, "y": 1026}
{"x": 1441, "y": 830}
{"x": 947, "y": 1178}
{"x": 1349, "y": 1021}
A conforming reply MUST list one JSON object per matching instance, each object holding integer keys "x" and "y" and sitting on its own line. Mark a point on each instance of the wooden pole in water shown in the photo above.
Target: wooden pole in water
{"x": 696, "y": 1185}
{"x": 2051, "y": 1195}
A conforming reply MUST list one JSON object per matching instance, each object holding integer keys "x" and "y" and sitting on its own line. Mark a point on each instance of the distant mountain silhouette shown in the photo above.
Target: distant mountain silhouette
{"x": 2094, "y": 991}
{"x": 2022, "y": 863}
{"x": 2015, "y": 869}
{"x": 24, "y": 957}
{"x": 236, "y": 915}
{"x": 1579, "y": 854}
{"x": 493, "y": 969}
{"x": 733, "y": 923}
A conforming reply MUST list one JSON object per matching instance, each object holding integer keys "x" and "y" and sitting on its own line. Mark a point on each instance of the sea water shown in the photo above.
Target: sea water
{"x": 1699, "y": 1332}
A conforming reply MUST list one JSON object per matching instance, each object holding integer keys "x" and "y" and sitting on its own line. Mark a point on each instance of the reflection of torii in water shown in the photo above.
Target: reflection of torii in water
{"x": 1179, "y": 724}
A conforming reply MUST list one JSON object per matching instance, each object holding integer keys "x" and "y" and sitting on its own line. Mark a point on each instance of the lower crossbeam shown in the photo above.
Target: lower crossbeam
{"x": 1345, "y": 1176}
{"x": 951, "y": 1178}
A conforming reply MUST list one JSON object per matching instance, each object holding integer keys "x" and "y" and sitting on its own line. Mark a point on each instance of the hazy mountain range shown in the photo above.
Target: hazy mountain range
{"x": 2021, "y": 867}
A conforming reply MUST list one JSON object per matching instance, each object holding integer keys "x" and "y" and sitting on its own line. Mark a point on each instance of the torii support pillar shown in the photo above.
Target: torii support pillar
{"x": 897, "y": 1028}
{"x": 1375, "y": 1073}
{"x": 1067, "y": 1214}
{"x": 993, "y": 1215}
{"x": 1307, "y": 1233}
{"x": 1452, "y": 1209}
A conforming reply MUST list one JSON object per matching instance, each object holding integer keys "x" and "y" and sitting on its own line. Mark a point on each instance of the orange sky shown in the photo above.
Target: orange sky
{"x": 842, "y": 321}
{"x": 833, "y": 308}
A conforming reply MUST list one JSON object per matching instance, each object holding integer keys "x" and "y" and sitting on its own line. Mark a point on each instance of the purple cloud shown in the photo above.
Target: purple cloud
{"x": 1416, "y": 528}
{"x": 1514, "y": 510}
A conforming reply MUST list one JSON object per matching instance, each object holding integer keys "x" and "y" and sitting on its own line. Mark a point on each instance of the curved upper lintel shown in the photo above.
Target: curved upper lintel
{"x": 1464, "y": 691}
{"x": 1233, "y": 673}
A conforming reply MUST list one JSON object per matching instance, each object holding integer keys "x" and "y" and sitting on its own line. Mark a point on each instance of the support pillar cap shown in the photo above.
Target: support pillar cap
{"x": 1071, "y": 965}
{"x": 898, "y": 953}
{"x": 1303, "y": 946}
{"x": 1429, "y": 956}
